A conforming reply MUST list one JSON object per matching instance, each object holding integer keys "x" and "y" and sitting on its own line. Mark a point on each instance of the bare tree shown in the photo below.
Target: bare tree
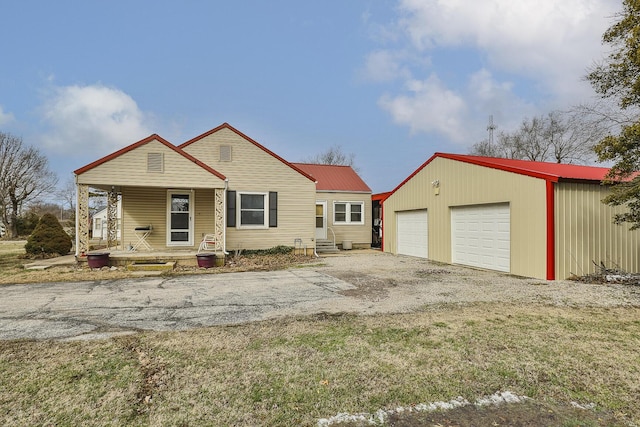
{"x": 24, "y": 175}
{"x": 332, "y": 156}
{"x": 562, "y": 137}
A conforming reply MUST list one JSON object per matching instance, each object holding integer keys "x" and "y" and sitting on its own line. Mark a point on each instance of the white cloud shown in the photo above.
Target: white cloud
{"x": 385, "y": 66}
{"x": 551, "y": 41}
{"x": 5, "y": 118}
{"x": 524, "y": 58}
{"x": 429, "y": 107}
{"x": 92, "y": 119}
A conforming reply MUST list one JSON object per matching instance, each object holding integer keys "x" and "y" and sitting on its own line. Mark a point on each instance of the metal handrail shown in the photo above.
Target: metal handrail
{"x": 334, "y": 236}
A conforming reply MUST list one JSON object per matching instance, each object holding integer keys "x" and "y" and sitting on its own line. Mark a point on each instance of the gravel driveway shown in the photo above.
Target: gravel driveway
{"x": 365, "y": 282}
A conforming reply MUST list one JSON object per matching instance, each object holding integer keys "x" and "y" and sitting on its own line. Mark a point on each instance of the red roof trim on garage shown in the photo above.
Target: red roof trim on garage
{"x": 150, "y": 138}
{"x": 257, "y": 144}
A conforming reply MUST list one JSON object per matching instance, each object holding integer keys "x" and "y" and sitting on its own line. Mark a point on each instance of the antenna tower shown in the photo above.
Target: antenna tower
{"x": 491, "y": 128}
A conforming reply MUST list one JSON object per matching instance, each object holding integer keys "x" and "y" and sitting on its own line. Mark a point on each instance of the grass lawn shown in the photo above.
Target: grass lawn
{"x": 296, "y": 371}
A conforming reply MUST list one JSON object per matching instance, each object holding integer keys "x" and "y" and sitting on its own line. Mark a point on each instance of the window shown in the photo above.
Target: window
{"x": 348, "y": 212}
{"x": 252, "y": 209}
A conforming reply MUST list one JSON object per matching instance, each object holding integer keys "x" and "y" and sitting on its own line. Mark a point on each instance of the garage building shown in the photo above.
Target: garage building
{"x": 533, "y": 219}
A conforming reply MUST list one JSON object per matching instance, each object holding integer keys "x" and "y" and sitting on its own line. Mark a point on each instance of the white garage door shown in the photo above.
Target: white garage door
{"x": 480, "y": 236}
{"x": 412, "y": 233}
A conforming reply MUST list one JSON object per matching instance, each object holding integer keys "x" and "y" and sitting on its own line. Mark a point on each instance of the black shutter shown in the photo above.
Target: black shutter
{"x": 273, "y": 209}
{"x": 231, "y": 208}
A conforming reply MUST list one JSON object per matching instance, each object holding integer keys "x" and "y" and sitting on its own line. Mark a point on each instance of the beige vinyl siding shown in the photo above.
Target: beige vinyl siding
{"x": 464, "y": 184}
{"x": 144, "y": 206}
{"x": 251, "y": 169}
{"x": 359, "y": 234}
{"x": 585, "y": 233}
{"x": 141, "y": 207}
{"x": 131, "y": 167}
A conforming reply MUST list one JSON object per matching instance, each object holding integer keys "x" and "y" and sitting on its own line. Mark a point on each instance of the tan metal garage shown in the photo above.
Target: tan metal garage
{"x": 532, "y": 219}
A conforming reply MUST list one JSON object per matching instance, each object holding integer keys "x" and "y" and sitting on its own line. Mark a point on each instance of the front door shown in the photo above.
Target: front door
{"x": 180, "y": 218}
{"x": 321, "y": 220}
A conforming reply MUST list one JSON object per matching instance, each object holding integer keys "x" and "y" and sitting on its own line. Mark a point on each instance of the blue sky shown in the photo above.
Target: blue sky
{"x": 390, "y": 81}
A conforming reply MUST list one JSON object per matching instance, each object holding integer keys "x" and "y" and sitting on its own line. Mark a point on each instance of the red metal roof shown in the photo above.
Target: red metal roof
{"x": 552, "y": 172}
{"x": 335, "y": 178}
{"x": 544, "y": 170}
{"x": 242, "y": 135}
{"x": 148, "y": 139}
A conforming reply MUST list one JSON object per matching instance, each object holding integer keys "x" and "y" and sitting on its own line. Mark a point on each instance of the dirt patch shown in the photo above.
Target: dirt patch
{"x": 525, "y": 414}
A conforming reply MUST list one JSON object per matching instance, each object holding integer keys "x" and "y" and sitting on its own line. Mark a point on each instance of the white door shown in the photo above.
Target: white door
{"x": 180, "y": 218}
{"x": 412, "y": 233}
{"x": 321, "y": 220}
{"x": 480, "y": 236}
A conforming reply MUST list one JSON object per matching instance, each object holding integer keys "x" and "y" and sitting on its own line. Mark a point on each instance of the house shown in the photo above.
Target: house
{"x": 221, "y": 182}
{"x": 343, "y": 205}
{"x": 533, "y": 219}
{"x": 99, "y": 223}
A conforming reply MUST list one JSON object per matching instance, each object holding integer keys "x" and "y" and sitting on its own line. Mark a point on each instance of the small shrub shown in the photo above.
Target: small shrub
{"x": 276, "y": 250}
{"x": 48, "y": 238}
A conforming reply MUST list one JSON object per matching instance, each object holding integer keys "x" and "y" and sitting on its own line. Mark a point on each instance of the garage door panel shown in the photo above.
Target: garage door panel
{"x": 412, "y": 233}
{"x": 481, "y": 236}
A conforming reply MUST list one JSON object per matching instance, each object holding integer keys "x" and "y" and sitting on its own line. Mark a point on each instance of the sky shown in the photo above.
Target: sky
{"x": 389, "y": 81}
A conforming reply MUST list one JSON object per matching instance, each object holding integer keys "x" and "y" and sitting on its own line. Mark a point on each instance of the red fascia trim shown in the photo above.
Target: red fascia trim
{"x": 117, "y": 153}
{"x": 257, "y": 144}
{"x": 154, "y": 137}
{"x": 492, "y": 165}
{"x": 551, "y": 247}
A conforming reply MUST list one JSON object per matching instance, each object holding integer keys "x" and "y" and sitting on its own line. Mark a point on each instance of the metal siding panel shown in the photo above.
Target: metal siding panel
{"x": 586, "y": 235}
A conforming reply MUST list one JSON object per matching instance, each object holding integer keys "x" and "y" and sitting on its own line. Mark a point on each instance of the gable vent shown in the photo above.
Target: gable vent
{"x": 155, "y": 162}
{"x": 225, "y": 153}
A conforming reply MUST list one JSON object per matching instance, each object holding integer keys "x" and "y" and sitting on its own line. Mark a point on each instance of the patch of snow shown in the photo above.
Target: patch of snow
{"x": 583, "y": 405}
{"x": 381, "y": 415}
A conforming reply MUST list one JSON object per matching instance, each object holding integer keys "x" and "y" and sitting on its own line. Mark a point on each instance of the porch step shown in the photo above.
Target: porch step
{"x": 325, "y": 246}
{"x": 151, "y": 266}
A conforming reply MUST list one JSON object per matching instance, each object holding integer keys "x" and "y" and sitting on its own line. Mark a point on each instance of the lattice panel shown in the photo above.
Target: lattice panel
{"x": 220, "y": 223}
{"x": 112, "y": 219}
{"x": 82, "y": 221}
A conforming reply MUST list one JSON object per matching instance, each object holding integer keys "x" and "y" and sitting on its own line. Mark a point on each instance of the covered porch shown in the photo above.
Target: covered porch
{"x": 157, "y": 223}
{"x": 169, "y": 200}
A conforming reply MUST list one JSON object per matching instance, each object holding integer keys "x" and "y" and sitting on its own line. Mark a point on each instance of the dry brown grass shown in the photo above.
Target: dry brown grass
{"x": 295, "y": 371}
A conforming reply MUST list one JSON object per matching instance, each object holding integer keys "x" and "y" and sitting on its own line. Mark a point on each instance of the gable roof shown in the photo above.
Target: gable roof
{"x": 335, "y": 178}
{"x": 242, "y": 135}
{"x": 150, "y": 138}
{"x": 553, "y": 172}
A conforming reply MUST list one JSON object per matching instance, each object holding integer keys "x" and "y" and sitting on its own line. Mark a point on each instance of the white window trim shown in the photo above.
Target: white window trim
{"x": 191, "y": 221}
{"x": 239, "y": 225}
{"x": 348, "y": 213}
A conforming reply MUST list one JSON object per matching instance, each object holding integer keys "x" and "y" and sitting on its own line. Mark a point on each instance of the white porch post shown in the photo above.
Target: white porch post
{"x": 82, "y": 219}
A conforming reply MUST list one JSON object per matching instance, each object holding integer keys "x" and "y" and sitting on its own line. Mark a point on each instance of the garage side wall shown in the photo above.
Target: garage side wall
{"x": 464, "y": 184}
{"x": 585, "y": 232}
